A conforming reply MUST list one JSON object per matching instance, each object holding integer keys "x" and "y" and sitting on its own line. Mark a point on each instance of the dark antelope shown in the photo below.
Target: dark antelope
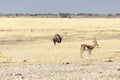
{"x": 57, "y": 39}
{"x": 89, "y": 48}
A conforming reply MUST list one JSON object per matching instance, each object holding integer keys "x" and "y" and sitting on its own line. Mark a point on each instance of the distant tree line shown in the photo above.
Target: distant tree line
{"x": 60, "y": 15}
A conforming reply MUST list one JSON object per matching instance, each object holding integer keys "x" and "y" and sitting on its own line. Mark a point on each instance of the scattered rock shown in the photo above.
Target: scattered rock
{"x": 11, "y": 74}
{"x": 118, "y": 69}
{"x": 18, "y": 74}
{"x": 100, "y": 72}
{"x": 109, "y": 60}
{"x": 24, "y": 60}
{"x": 67, "y": 63}
{"x": 22, "y": 77}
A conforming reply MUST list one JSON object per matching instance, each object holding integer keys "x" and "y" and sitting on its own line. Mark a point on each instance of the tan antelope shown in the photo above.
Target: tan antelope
{"x": 87, "y": 47}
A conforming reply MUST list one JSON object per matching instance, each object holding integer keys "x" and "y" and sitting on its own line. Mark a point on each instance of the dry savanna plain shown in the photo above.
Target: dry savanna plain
{"x": 28, "y": 53}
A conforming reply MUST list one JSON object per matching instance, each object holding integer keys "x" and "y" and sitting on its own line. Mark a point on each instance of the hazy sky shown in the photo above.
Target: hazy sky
{"x": 60, "y": 6}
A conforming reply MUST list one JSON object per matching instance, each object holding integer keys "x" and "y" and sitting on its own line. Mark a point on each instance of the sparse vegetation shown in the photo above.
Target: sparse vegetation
{"x": 27, "y": 50}
{"x": 62, "y": 15}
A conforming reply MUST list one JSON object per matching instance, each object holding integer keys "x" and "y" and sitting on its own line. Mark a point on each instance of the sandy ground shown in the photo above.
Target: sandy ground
{"x": 27, "y": 51}
{"x": 71, "y": 71}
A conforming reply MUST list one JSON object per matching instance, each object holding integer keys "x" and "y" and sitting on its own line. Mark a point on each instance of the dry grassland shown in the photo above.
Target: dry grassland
{"x": 18, "y": 43}
{"x": 29, "y": 41}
